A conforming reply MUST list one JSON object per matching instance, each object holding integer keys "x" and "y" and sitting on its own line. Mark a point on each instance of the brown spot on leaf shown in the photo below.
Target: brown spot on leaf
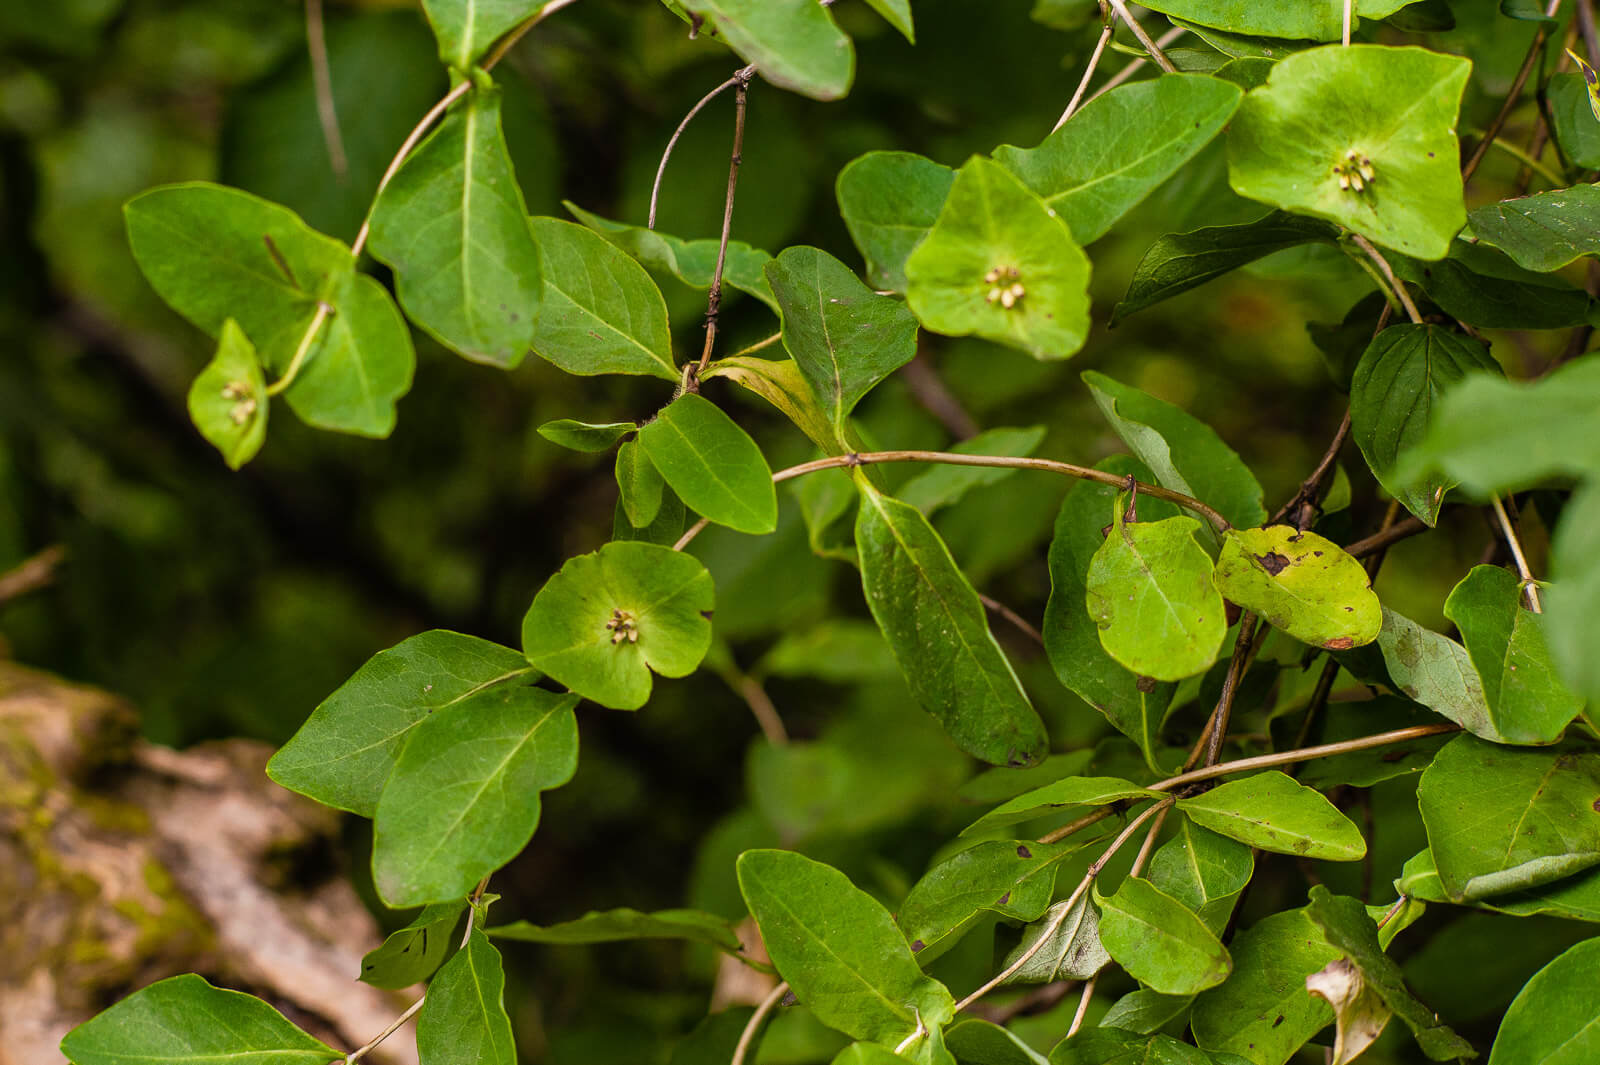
{"x": 706, "y": 614}
{"x": 1597, "y": 806}
{"x": 1340, "y": 643}
{"x": 1145, "y": 684}
{"x": 1023, "y": 852}
{"x": 1278, "y": 1021}
{"x": 1273, "y": 562}
{"x": 917, "y": 945}
{"x": 1003, "y": 899}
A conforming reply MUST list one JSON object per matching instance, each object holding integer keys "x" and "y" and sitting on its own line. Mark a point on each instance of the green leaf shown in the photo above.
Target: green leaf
{"x": 1363, "y": 769}
{"x": 453, "y": 226}
{"x": 1396, "y": 384}
{"x": 209, "y": 252}
{"x": 464, "y": 1020}
{"x": 1203, "y": 871}
{"x": 795, "y": 44}
{"x": 712, "y": 464}
{"x": 1134, "y": 705}
{"x": 1577, "y": 131}
{"x": 841, "y": 650}
{"x": 466, "y": 28}
{"x": 994, "y": 237}
{"x": 1527, "y": 701}
{"x": 608, "y": 618}
{"x": 1149, "y": 590}
{"x": 186, "y": 1019}
{"x": 980, "y": 1042}
{"x": 1504, "y": 819}
{"x": 1327, "y": 118}
{"x": 1348, "y": 929}
{"x": 1114, "y": 151}
{"x": 228, "y": 400}
{"x": 1071, "y": 947}
{"x": 1108, "y": 1046}
{"x": 780, "y": 382}
{"x": 939, "y": 634}
{"x": 464, "y": 796}
{"x": 612, "y": 926}
{"x": 600, "y": 312}
{"x": 343, "y": 754}
{"x": 943, "y": 485}
{"x": 1179, "y": 262}
{"x": 1302, "y": 583}
{"x": 1271, "y": 811}
{"x": 889, "y": 202}
{"x": 1317, "y": 20}
{"x": 664, "y": 531}
{"x": 1161, "y": 942}
{"x": 844, "y": 337}
{"x": 1479, "y": 286}
{"x": 1013, "y": 878}
{"x": 839, "y": 949}
{"x": 1185, "y": 454}
{"x": 413, "y": 953}
{"x": 1574, "y": 599}
{"x": 898, "y": 14}
{"x": 1575, "y": 897}
{"x": 639, "y": 485}
{"x": 1066, "y": 792}
{"x": 694, "y": 262}
{"x": 866, "y": 1054}
{"x": 1437, "y": 672}
{"x": 585, "y": 436}
{"x": 1552, "y": 1019}
{"x": 1542, "y": 232}
{"x": 1145, "y": 1011}
{"x": 1263, "y": 1011}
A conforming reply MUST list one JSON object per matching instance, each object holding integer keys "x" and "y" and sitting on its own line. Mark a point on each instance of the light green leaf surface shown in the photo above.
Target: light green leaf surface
{"x": 205, "y": 249}
{"x": 1545, "y": 231}
{"x": 794, "y": 44}
{"x": 184, "y": 1019}
{"x": 1161, "y": 942}
{"x": 639, "y": 485}
{"x": 1135, "y": 706}
{"x": 889, "y": 201}
{"x": 453, "y": 226}
{"x": 413, "y": 953}
{"x": 1555, "y": 1018}
{"x": 780, "y": 383}
{"x": 464, "y": 1020}
{"x": 844, "y": 337}
{"x": 1505, "y": 819}
{"x": 1574, "y": 600}
{"x": 1575, "y": 897}
{"x": 1108, "y": 1046}
{"x": 1145, "y": 1011}
{"x": 939, "y": 634}
{"x": 939, "y": 485}
{"x": 694, "y": 262}
{"x": 1271, "y": 811}
{"x": 1322, "y": 105}
{"x": 1013, "y": 878}
{"x": 1064, "y": 793}
{"x": 228, "y": 400}
{"x": 466, "y": 28}
{"x": 585, "y": 436}
{"x": 1149, "y": 590}
{"x": 1317, "y": 20}
{"x": 1302, "y": 583}
{"x": 1184, "y": 453}
{"x": 464, "y": 796}
{"x": 343, "y": 754}
{"x": 993, "y": 236}
{"x": 600, "y": 312}
{"x": 664, "y": 531}
{"x": 582, "y": 625}
{"x": 1263, "y": 1012}
{"x": 1070, "y": 949}
{"x": 612, "y": 926}
{"x": 712, "y": 464}
{"x": 898, "y": 14}
{"x": 1114, "y": 151}
{"x": 839, "y": 949}
{"x": 1396, "y": 385}
{"x": 1572, "y": 119}
{"x": 1202, "y": 870}
{"x": 1437, "y": 672}
{"x": 1510, "y": 650}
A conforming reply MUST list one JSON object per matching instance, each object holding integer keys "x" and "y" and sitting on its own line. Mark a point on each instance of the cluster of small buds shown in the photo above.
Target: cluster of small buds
{"x": 243, "y": 410}
{"x": 1355, "y": 173}
{"x": 1004, "y": 288}
{"x": 622, "y": 627}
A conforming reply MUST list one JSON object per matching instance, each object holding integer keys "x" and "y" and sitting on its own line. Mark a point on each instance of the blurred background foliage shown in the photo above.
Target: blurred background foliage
{"x": 227, "y": 605}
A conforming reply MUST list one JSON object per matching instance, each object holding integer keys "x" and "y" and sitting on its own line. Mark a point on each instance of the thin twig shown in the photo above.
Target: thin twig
{"x": 412, "y": 139}
{"x": 1134, "y": 67}
{"x": 1510, "y": 104}
{"x": 763, "y": 708}
{"x": 748, "y": 1036}
{"x": 690, "y": 533}
{"x": 1509, "y": 530}
{"x": 1150, "y": 46}
{"x": 1383, "y": 264}
{"x": 31, "y": 573}
{"x": 1345, "y": 37}
{"x": 1083, "y": 1005}
{"x": 1095, "y": 816}
{"x": 301, "y": 353}
{"x": 741, "y": 94}
{"x": 1303, "y": 754}
{"x": 744, "y": 73}
{"x": 1244, "y": 649}
{"x": 1319, "y": 699}
{"x": 1017, "y": 620}
{"x": 322, "y": 81}
{"x": 361, "y": 1052}
{"x": 1381, "y": 539}
{"x": 1088, "y": 74}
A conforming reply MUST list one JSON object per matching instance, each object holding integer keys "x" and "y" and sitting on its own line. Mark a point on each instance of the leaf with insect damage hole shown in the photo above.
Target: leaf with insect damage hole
{"x": 889, "y": 201}
{"x": 1273, "y": 812}
{"x": 1161, "y": 942}
{"x": 413, "y": 953}
{"x": 712, "y": 464}
{"x": 936, "y": 627}
{"x": 611, "y": 617}
{"x": 1302, "y": 583}
{"x": 228, "y": 400}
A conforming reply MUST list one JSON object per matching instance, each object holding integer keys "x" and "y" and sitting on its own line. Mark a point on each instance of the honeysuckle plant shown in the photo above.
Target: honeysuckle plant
{"x": 1175, "y": 588}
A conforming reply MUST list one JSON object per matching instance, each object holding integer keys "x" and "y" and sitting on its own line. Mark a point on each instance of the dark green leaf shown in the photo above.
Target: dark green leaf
{"x": 1317, "y": 20}
{"x": 793, "y": 43}
{"x": 186, "y": 1019}
{"x": 1109, "y": 1046}
{"x": 1203, "y": 871}
{"x": 694, "y": 262}
{"x": 1013, "y": 878}
{"x": 1161, "y": 942}
{"x": 712, "y": 464}
{"x": 1362, "y": 769}
{"x": 889, "y": 201}
{"x": 1115, "y": 151}
{"x": 343, "y": 754}
{"x": 943, "y": 485}
{"x": 980, "y": 1042}
{"x": 413, "y": 953}
{"x": 613, "y": 926}
{"x": 464, "y": 1021}
{"x": 939, "y": 634}
{"x": 842, "y": 650}
{"x": 1479, "y": 286}
{"x": 1064, "y": 793}
{"x": 585, "y": 436}
{"x": 664, "y": 531}
{"x": 453, "y": 226}
{"x": 1302, "y": 583}
{"x": 1064, "y": 945}
{"x": 602, "y": 624}
{"x": 600, "y": 311}
{"x": 228, "y": 400}
{"x": 1574, "y": 600}
{"x": 466, "y": 28}
{"x": 1001, "y": 265}
{"x": 1505, "y": 819}
{"x": 464, "y": 796}
{"x": 1545, "y": 231}
{"x": 1552, "y": 1020}
{"x": 1576, "y": 129}
{"x": 1271, "y": 811}
{"x": 639, "y": 485}
{"x": 1263, "y": 1011}
{"x": 1179, "y": 262}
{"x": 1324, "y": 138}
{"x": 844, "y": 337}
{"x": 1400, "y": 377}
{"x": 839, "y": 949}
{"x": 1145, "y": 1011}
